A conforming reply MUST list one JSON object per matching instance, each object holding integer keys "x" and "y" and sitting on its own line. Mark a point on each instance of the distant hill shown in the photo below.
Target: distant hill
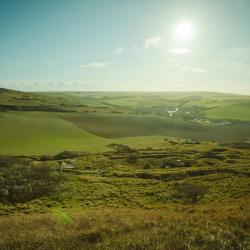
{"x": 27, "y": 101}
{"x": 205, "y": 105}
{"x": 4, "y": 90}
{"x": 87, "y": 121}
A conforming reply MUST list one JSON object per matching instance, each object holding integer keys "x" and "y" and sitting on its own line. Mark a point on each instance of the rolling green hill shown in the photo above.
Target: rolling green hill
{"x": 237, "y": 111}
{"x": 88, "y": 121}
{"x": 126, "y": 125}
{"x": 52, "y": 132}
{"x": 43, "y": 133}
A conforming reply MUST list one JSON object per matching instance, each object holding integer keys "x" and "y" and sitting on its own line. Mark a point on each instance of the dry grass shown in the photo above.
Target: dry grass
{"x": 179, "y": 227}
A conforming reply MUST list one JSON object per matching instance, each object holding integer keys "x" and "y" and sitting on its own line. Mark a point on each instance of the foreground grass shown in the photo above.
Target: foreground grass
{"x": 177, "y": 195}
{"x": 183, "y": 227}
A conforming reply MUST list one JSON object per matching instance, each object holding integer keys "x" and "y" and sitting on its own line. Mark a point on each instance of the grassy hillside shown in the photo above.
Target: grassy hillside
{"x": 43, "y": 133}
{"x": 126, "y": 125}
{"x": 177, "y": 195}
{"x": 199, "y": 104}
{"x": 88, "y": 121}
{"x": 12, "y": 97}
{"x": 51, "y": 132}
{"x": 135, "y": 177}
{"x": 202, "y": 228}
{"x": 237, "y": 111}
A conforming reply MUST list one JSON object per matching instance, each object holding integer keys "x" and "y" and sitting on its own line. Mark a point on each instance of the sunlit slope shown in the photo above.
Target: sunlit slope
{"x": 12, "y": 97}
{"x": 43, "y": 133}
{"x": 223, "y": 107}
{"x": 239, "y": 111}
{"x": 209, "y": 104}
{"x": 51, "y": 132}
{"x": 111, "y": 125}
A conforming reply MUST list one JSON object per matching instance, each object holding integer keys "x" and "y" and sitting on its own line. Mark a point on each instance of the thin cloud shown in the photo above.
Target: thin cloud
{"x": 95, "y": 65}
{"x": 119, "y": 50}
{"x": 137, "y": 48}
{"x": 192, "y": 70}
{"x": 154, "y": 41}
{"x": 179, "y": 51}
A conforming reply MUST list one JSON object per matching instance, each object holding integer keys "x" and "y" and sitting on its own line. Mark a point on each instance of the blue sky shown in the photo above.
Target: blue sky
{"x": 115, "y": 45}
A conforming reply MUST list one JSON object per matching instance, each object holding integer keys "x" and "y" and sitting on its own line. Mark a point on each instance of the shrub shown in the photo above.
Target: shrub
{"x": 190, "y": 192}
{"x": 211, "y": 154}
{"x": 146, "y": 165}
{"x": 132, "y": 159}
{"x": 239, "y": 145}
{"x": 121, "y": 147}
{"x": 19, "y": 184}
{"x": 7, "y": 161}
{"x": 67, "y": 154}
{"x": 46, "y": 158}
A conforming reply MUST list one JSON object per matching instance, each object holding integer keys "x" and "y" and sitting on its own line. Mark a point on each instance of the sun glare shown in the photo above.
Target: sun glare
{"x": 184, "y": 31}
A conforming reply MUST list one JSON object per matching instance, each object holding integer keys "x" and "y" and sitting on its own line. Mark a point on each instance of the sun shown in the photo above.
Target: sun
{"x": 184, "y": 31}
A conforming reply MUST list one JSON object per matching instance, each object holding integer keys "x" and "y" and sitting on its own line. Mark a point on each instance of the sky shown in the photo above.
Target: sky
{"x": 132, "y": 45}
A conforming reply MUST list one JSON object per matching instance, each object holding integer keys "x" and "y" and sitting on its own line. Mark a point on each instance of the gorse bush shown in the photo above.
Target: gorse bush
{"x": 121, "y": 147}
{"x": 7, "y": 161}
{"x": 132, "y": 159}
{"x": 22, "y": 183}
{"x": 67, "y": 154}
{"x": 189, "y": 192}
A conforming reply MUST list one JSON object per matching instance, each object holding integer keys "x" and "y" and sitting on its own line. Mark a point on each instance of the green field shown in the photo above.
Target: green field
{"x": 43, "y": 133}
{"x": 236, "y": 112}
{"x": 126, "y": 125}
{"x": 51, "y": 132}
{"x": 89, "y": 121}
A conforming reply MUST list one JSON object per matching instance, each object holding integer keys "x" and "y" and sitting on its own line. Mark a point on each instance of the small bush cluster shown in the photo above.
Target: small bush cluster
{"x": 68, "y": 154}
{"x": 121, "y": 147}
{"x": 132, "y": 159}
{"x": 190, "y": 192}
{"x": 20, "y": 184}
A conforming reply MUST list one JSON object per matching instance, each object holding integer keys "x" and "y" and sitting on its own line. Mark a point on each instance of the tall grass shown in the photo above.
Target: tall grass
{"x": 195, "y": 228}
